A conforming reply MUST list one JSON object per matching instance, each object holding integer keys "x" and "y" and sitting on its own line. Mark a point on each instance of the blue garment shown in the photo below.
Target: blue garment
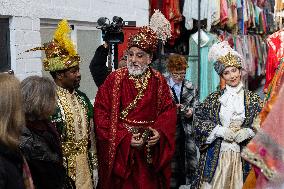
{"x": 209, "y": 79}
{"x": 176, "y": 87}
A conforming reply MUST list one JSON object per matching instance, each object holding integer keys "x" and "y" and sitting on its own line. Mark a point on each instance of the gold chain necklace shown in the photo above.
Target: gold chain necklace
{"x": 141, "y": 83}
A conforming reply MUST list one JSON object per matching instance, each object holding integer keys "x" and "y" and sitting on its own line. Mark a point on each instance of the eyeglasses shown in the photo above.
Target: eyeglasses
{"x": 10, "y": 72}
{"x": 178, "y": 75}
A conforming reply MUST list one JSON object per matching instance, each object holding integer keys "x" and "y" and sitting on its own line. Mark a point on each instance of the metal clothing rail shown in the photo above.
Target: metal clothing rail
{"x": 198, "y": 46}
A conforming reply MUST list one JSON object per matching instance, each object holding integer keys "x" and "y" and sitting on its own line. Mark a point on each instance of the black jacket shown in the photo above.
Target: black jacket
{"x": 41, "y": 146}
{"x": 98, "y": 67}
{"x": 11, "y": 168}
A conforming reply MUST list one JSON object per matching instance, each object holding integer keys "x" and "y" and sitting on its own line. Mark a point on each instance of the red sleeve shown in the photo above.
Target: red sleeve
{"x": 166, "y": 126}
{"x": 271, "y": 66}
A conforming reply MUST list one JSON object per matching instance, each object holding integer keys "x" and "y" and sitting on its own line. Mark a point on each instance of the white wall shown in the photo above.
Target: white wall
{"x": 25, "y": 17}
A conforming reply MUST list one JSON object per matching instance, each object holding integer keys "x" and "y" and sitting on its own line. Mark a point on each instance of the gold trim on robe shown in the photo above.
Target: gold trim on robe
{"x": 75, "y": 144}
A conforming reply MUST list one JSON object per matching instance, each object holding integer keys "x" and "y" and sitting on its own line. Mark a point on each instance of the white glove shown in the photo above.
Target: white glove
{"x": 95, "y": 177}
{"x": 244, "y": 134}
{"x": 226, "y": 133}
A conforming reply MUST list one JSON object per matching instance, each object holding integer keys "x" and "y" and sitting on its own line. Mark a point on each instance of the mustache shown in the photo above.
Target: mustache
{"x": 132, "y": 64}
{"x": 234, "y": 78}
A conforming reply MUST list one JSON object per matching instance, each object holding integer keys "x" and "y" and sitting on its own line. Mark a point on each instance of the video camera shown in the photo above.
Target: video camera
{"x": 112, "y": 31}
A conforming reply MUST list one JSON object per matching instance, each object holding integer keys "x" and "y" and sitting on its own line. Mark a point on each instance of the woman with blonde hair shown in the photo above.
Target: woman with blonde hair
{"x": 14, "y": 172}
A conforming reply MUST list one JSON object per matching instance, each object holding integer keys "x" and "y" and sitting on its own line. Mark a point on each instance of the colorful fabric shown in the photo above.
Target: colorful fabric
{"x": 275, "y": 84}
{"x": 145, "y": 39}
{"x": 208, "y": 78}
{"x": 120, "y": 165}
{"x": 266, "y": 149}
{"x": 229, "y": 166}
{"x": 172, "y": 12}
{"x": 60, "y": 52}
{"x": 205, "y": 120}
{"x": 275, "y": 44}
{"x": 271, "y": 97}
{"x": 73, "y": 118}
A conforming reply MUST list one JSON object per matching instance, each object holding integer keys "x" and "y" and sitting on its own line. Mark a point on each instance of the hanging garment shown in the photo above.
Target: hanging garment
{"x": 172, "y": 13}
{"x": 190, "y": 12}
{"x": 208, "y": 77}
{"x": 275, "y": 44}
{"x": 171, "y": 10}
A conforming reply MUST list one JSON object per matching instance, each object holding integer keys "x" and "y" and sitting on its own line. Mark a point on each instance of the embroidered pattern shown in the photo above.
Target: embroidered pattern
{"x": 120, "y": 74}
{"x": 205, "y": 120}
{"x": 141, "y": 84}
{"x": 75, "y": 139}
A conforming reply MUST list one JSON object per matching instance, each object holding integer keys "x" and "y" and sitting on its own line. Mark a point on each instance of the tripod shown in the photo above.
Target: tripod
{"x": 113, "y": 51}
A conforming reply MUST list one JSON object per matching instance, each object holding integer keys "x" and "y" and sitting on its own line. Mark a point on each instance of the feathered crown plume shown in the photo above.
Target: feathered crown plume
{"x": 147, "y": 36}
{"x": 60, "y": 52}
{"x": 224, "y": 56}
{"x": 160, "y": 25}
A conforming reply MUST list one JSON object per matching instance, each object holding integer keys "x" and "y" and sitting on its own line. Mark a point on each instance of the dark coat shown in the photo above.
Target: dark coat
{"x": 184, "y": 162}
{"x": 41, "y": 146}
{"x": 11, "y": 168}
{"x": 98, "y": 67}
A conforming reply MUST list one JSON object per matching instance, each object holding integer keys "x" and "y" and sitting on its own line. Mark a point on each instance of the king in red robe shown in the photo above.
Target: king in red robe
{"x": 135, "y": 119}
{"x": 120, "y": 165}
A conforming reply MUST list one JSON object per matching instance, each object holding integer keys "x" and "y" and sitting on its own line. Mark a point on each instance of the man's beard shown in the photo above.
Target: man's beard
{"x": 135, "y": 71}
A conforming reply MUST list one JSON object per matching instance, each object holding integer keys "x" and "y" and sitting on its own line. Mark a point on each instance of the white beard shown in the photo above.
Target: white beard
{"x": 136, "y": 71}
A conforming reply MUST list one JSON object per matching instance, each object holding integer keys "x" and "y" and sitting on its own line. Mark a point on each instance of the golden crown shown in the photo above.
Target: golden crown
{"x": 145, "y": 39}
{"x": 230, "y": 60}
{"x": 60, "y": 52}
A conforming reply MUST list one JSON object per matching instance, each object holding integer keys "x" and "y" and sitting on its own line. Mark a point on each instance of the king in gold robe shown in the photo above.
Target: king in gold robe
{"x": 73, "y": 118}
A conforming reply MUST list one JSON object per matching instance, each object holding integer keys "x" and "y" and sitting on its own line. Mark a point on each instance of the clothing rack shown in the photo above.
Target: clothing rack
{"x": 199, "y": 41}
{"x": 160, "y": 45}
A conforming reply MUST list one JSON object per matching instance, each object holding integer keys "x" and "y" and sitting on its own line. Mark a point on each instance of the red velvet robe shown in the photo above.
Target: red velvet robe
{"x": 273, "y": 57}
{"x": 120, "y": 165}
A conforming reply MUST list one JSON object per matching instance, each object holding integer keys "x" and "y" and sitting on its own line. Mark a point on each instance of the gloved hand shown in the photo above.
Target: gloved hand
{"x": 243, "y": 134}
{"x": 95, "y": 177}
{"x": 226, "y": 133}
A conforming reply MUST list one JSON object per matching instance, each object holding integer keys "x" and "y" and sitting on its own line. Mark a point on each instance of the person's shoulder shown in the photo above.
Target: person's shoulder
{"x": 80, "y": 93}
{"x": 158, "y": 75}
{"x": 113, "y": 77}
{"x": 102, "y": 50}
{"x": 188, "y": 84}
{"x": 155, "y": 72}
{"x": 214, "y": 96}
{"x": 83, "y": 96}
{"x": 254, "y": 97}
{"x": 215, "y": 93}
{"x": 251, "y": 93}
{"x": 117, "y": 73}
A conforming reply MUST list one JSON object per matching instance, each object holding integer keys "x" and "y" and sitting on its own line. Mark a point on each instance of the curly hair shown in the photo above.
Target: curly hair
{"x": 176, "y": 62}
